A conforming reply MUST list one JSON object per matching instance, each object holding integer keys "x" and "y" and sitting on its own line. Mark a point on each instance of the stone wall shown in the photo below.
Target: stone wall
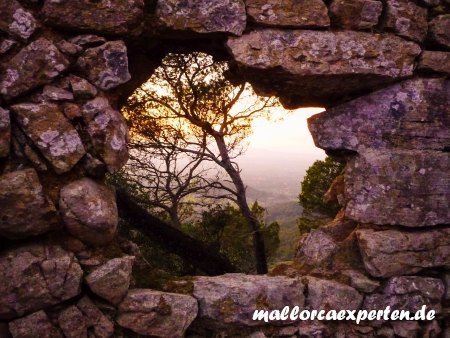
{"x": 380, "y": 67}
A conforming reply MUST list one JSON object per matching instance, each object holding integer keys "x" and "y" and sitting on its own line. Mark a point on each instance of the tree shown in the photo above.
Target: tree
{"x": 223, "y": 229}
{"x": 188, "y": 105}
{"x": 318, "y": 179}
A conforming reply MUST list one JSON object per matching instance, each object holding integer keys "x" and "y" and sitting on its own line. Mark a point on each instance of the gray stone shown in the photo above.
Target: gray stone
{"x": 410, "y": 115}
{"x": 35, "y": 277}
{"x": 155, "y": 313}
{"x": 34, "y": 325}
{"x": 89, "y": 211}
{"x": 73, "y": 323}
{"x": 327, "y": 294}
{"x": 52, "y": 133}
{"x": 5, "y": 132}
{"x": 69, "y": 48}
{"x": 35, "y": 65}
{"x": 112, "y": 280}
{"x": 54, "y": 93}
{"x": 81, "y": 88}
{"x": 103, "y": 16}
{"x": 408, "y": 188}
{"x": 360, "y": 281}
{"x": 231, "y": 299}
{"x": 25, "y": 209}
{"x": 108, "y": 131}
{"x": 439, "y": 29}
{"x": 308, "y": 67}
{"x": 434, "y": 61}
{"x": 106, "y": 66}
{"x": 316, "y": 248}
{"x": 431, "y": 288}
{"x": 391, "y": 252}
{"x": 406, "y": 329}
{"x": 99, "y": 326}
{"x": 203, "y": 16}
{"x": 407, "y": 19}
{"x": 15, "y": 20}
{"x": 356, "y": 14}
{"x": 291, "y": 13}
{"x": 88, "y": 40}
{"x": 6, "y": 45}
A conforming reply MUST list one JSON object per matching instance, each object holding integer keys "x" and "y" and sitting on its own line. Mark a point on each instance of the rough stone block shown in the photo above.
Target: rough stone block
{"x": 389, "y": 253}
{"x": 307, "y": 67}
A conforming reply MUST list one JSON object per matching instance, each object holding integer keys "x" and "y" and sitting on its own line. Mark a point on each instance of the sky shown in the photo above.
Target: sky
{"x": 287, "y": 132}
{"x": 280, "y": 151}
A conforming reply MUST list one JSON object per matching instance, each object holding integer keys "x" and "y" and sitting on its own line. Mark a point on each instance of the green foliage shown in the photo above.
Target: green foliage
{"x": 317, "y": 181}
{"x": 224, "y": 228}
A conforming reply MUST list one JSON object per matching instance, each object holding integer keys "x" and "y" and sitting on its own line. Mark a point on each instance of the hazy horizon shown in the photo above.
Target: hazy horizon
{"x": 279, "y": 152}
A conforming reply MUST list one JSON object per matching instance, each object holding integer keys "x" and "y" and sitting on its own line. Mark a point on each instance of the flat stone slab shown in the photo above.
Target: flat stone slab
{"x": 309, "y": 67}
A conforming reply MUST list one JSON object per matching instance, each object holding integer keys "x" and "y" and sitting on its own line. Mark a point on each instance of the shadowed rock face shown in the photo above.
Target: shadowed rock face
{"x": 35, "y": 277}
{"x": 406, "y": 19}
{"x": 104, "y": 16}
{"x": 35, "y": 325}
{"x": 356, "y": 14}
{"x": 317, "y": 67}
{"x": 5, "y": 132}
{"x": 393, "y": 253}
{"x": 25, "y": 210}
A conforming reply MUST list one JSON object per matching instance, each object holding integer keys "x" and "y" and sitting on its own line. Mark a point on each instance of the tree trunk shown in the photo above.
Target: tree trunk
{"x": 173, "y": 240}
{"x": 258, "y": 239}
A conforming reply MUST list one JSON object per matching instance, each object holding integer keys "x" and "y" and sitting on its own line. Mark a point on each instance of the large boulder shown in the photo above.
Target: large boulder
{"x": 327, "y": 294}
{"x": 34, "y": 325}
{"x": 408, "y": 188}
{"x": 406, "y": 19}
{"x": 5, "y": 132}
{"x": 112, "y": 279}
{"x": 103, "y": 16}
{"x": 411, "y": 115}
{"x": 319, "y": 67}
{"x": 35, "y": 65}
{"x": 106, "y": 66}
{"x": 52, "y": 133}
{"x": 15, "y": 20}
{"x": 231, "y": 299}
{"x": 108, "y": 131}
{"x": 291, "y": 13}
{"x": 35, "y": 277}
{"x": 202, "y": 16}
{"x": 89, "y": 211}
{"x": 156, "y": 313}
{"x": 356, "y": 14}
{"x": 389, "y": 253}
{"x": 25, "y": 209}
